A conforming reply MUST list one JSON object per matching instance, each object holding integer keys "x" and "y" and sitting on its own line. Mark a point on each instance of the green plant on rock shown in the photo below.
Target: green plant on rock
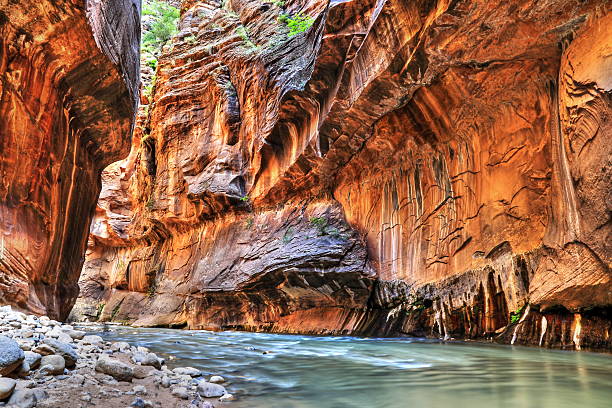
{"x": 151, "y": 61}
{"x": 244, "y": 34}
{"x": 160, "y": 21}
{"x": 148, "y": 91}
{"x": 515, "y": 316}
{"x": 100, "y": 309}
{"x": 320, "y": 223}
{"x": 297, "y": 23}
{"x": 334, "y": 232}
{"x": 115, "y": 310}
{"x": 244, "y": 198}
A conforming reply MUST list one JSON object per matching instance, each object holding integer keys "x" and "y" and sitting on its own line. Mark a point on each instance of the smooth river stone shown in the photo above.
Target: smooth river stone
{"x": 11, "y": 355}
{"x": 7, "y": 385}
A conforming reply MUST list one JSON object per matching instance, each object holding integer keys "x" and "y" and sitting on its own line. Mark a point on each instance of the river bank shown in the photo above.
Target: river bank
{"x": 48, "y": 364}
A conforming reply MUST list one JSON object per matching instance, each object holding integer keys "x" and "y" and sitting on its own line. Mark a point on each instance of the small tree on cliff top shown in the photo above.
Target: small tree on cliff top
{"x": 159, "y": 24}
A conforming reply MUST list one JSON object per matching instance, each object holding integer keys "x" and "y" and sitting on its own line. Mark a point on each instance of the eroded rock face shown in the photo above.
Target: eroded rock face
{"x": 68, "y": 89}
{"x": 426, "y": 168}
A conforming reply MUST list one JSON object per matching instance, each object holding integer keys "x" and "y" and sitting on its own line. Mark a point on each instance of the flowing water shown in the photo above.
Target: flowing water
{"x": 283, "y": 371}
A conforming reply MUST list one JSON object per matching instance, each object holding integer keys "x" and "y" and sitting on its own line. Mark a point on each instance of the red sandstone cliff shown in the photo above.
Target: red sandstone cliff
{"x": 68, "y": 88}
{"x": 402, "y": 167}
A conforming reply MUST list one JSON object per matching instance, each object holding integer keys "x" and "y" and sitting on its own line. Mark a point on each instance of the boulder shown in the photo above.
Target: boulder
{"x": 65, "y": 350}
{"x": 193, "y": 372}
{"x": 216, "y": 379}
{"x": 115, "y": 368}
{"x": 120, "y": 346}
{"x": 92, "y": 339}
{"x": 143, "y": 371}
{"x": 32, "y": 358}
{"x": 180, "y": 392}
{"x": 210, "y": 390}
{"x": 26, "y": 398}
{"x": 52, "y": 365}
{"x": 147, "y": 359}
{"x": 75, "y": 334}
{"x": 7, "y": 385}
{"x": 24, "y": 369}
{"x": 227, "y": 398}
{"x": 11, "y": 355}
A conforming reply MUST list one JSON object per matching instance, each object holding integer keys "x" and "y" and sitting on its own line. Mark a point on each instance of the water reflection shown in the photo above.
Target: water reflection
{"x": 278, "y": 371}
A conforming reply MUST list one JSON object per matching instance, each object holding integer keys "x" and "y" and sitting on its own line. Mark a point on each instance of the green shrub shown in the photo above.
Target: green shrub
{"x": 297, "y": 24}
{"x": 320, "y": 223}
{"x": 152, "y": 62}
{"x": 100, "y": 309}
{"x": 516, "y": 315}
{"x": 116, "y": 310}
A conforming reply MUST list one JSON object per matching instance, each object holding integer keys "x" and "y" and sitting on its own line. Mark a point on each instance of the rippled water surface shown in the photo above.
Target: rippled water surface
{"x": 280, "y": 371}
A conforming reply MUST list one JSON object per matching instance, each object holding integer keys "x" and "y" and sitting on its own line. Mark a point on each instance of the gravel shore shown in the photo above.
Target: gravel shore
{"x": 48, "y": 364}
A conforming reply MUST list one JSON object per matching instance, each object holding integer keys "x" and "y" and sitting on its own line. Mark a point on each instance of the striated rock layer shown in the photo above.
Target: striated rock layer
{"x": 68, "y": 95}
{"x": 437, "y": 168}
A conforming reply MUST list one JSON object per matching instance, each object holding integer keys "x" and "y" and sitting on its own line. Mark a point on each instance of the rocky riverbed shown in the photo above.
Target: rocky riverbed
{"x": 44, "y": 363}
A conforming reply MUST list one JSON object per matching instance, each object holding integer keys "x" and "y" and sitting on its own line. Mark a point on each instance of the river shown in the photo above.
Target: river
{"x": 290, "y": 371}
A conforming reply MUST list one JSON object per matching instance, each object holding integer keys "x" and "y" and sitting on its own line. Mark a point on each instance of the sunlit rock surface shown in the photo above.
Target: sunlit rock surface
{"x": 401, "y": 168}
{"x": 68, "y": 89}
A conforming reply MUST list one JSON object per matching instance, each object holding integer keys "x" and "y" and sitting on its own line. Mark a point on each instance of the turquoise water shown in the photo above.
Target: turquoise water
{"x": 347, "y": 372}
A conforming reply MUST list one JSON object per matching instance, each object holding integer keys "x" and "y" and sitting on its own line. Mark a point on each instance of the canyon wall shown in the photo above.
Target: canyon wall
{"x": 437, "y": 168}
{"x": 69, "y": 77}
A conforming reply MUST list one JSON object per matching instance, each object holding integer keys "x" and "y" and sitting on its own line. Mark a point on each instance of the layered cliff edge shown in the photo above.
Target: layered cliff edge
{"x": 69, "y": 77}
{"x": 437, "y": 168}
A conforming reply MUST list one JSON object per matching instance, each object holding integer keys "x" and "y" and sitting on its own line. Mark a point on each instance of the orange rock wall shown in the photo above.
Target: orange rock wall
{"x": 402, "y": 167}
{"x": 68, "y": 88}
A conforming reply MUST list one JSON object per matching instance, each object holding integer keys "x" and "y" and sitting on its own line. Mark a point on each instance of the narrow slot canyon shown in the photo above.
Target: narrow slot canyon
{"x": 261, "y": 181}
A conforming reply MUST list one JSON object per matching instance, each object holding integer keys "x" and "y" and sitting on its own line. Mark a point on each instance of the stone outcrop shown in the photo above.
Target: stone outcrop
{"x": 399, "y": 168}
{"x": 68, "y": 95}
